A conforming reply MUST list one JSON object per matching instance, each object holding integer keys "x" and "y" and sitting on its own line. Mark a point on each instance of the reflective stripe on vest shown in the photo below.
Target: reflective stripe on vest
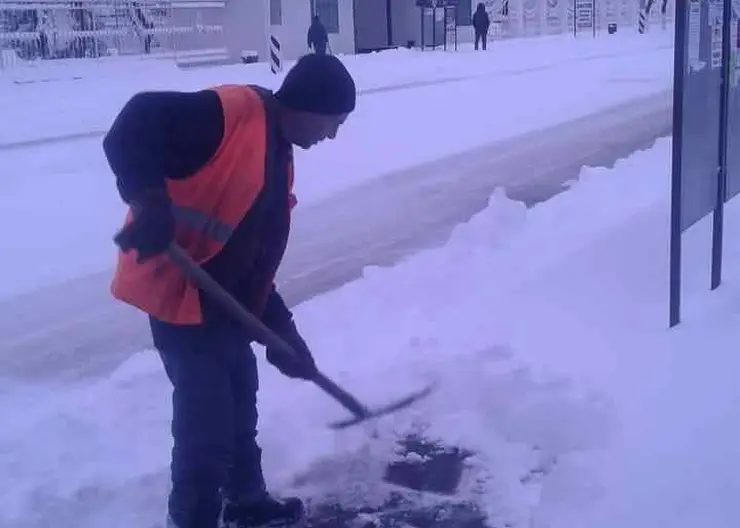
{"x": 202, "y": 223}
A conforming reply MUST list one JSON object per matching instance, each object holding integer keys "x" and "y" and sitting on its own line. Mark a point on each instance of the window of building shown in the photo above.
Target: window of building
{"x": 328, "y": 11}
{"x": 276, "y": 12}
{"x": 465, "y": 12}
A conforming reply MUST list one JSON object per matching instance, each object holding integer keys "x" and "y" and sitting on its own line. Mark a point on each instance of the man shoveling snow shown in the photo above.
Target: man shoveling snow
{"x": 213, "y": 172}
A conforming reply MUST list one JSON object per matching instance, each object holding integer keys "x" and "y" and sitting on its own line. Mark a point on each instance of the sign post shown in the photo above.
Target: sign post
{"x": 733, "y": 117}
{"x": 450, "y": 15}
{"x": 703, "y": 69}
{"x": 584, "y": 16}
{"x": 442, "y": 14}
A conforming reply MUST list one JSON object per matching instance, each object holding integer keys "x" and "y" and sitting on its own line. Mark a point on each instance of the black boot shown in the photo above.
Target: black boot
{"x": 267, "y": 512}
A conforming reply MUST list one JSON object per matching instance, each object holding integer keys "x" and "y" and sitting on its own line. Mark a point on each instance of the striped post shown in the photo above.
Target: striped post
{"x": 276, "y": 60}
{"x": 642, "y": 22}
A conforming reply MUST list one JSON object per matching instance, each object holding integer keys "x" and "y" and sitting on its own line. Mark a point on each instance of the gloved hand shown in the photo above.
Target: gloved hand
{"x": 279, "y": 319}
{"x": 152, "y": 229}
{"x": 302, "y": 366}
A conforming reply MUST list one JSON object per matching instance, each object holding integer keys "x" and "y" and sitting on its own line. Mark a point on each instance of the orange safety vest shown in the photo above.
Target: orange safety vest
{"x": 207, "y": 208}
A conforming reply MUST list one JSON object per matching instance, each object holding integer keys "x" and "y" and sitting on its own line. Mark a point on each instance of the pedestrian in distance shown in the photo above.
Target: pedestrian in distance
{"x": 481, "y": 25}
{"x": 318, "y": 37}
{"x": 212, "y": 171}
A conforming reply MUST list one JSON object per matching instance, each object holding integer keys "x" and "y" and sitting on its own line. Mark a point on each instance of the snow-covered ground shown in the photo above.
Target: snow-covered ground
{"x": 547, "y": 330}
{"x": 527, "y": 85}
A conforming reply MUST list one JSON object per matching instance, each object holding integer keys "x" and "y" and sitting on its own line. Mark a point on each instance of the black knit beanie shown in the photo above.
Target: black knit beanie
{"x": 319, "y": 84}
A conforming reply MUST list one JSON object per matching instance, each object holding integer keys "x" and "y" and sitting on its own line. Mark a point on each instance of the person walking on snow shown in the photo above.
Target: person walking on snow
{"x": 318, "y": 38}
{"x": 213, "y": 171}
{"x": 481, "y": 25}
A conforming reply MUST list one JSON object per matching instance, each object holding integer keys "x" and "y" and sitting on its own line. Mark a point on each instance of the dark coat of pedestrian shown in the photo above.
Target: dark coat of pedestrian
{"x": 481, "y": 25}
{"x": 318, "y": 37}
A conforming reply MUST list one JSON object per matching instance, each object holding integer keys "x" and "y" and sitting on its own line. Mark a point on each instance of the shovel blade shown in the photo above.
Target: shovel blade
{"x": 391, "y": 408}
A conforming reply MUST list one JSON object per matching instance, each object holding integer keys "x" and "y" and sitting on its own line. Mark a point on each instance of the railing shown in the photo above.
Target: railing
{"x": 32, "y": 30}
{"x": 525, "y": 18}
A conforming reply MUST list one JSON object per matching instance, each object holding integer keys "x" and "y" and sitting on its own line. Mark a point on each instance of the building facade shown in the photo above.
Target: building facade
{"x": 249, "y": 23}
{"x": 212, "y": 31}
{"x": 368, "y": 25}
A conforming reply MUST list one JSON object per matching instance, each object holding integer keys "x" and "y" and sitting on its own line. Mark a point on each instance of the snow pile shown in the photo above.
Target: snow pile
{"x": 548, "y": 330}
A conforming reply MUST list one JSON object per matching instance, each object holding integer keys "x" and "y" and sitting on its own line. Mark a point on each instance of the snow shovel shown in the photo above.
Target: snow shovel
{"x": 268, "y": 338}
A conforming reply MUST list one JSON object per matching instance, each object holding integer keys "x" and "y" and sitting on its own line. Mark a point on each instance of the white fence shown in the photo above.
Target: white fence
{"x": 33, "y": 30}
{"x": 524, "y": 18}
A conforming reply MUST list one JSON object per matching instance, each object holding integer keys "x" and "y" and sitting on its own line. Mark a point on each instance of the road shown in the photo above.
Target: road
{"x": 74, "y": 329}
{"x": 75, "y": 128}
{"x": 73, "y": 131}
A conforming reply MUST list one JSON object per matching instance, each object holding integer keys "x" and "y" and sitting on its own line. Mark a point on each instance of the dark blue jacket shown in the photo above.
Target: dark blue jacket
{"x": 317, "y": 34}
{"x": 481, "y": 21}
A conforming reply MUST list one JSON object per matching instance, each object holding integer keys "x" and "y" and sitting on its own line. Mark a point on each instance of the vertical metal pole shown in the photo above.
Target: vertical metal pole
{"x": 354, "y": 21}
{"x": 444, "y": 17}
{"x": 575, "y": 19}
{"x": 455, "y": 14}
{"x": 593, "y": 17}
{"x": 679, "y": 73}
{"x": 389, "y": 22}
{"x": 434, "y": 27}
{"x": 719, "y": 206}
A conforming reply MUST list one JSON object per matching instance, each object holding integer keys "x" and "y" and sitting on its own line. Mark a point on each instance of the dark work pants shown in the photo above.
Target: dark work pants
{"x": 480, "y": 37}
{"x": 214, "y": 418}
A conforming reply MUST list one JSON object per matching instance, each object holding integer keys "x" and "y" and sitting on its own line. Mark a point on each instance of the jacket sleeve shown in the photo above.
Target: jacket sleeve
{"x": 159, "y": 135}
{"x": 277, "y": 316}
{"x": 311, "y": 36}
